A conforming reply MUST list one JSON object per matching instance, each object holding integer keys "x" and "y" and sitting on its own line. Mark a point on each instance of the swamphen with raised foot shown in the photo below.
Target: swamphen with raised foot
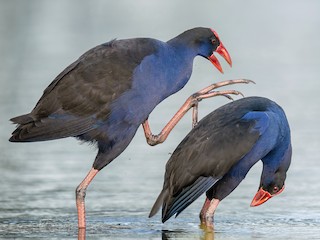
{"x": 105, "y": 95}
{"x": 218, "y": 153}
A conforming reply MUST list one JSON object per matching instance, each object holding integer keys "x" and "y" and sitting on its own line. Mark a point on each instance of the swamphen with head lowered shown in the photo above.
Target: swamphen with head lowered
{"x": 111, "y": 89}
{"x": 218, "y": 153}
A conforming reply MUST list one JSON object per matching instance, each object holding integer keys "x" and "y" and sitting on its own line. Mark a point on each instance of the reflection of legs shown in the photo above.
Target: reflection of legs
{"x": 207, "y": 212}
{"x": 81, "y": 194}
{"x": 191, "y": 102}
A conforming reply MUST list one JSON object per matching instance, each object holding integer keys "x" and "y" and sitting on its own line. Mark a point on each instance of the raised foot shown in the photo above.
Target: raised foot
{"x": 208, "y": 91}
{"x": 191, "y": 102}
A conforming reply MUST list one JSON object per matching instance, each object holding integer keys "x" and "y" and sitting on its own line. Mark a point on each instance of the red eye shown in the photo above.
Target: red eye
{"x": 275, "y": 189}
{"x": 213, "y": 40}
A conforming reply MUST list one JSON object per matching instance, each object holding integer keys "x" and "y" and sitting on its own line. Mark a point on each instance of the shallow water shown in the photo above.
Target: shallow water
{"x": 274, "y": 43}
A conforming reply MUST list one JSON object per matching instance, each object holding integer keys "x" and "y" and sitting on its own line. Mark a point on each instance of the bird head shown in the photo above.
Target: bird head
{"x": 209, "y": 43}
{"x": 266, "y": 192}
{"x": 272, "y": 181}
{"x": 205, "y": 42}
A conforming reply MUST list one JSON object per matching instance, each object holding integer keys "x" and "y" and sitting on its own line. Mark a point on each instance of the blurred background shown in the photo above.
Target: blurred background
{"x": 274, "y": 43}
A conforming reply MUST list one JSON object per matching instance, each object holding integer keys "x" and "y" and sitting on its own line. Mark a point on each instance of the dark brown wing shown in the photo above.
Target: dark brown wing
{"x": 84, "y": 91}
{"x": 99, "y": 76}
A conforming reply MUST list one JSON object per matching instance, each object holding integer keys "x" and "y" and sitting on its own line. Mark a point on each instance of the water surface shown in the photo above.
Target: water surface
{"x": 275, "y": 43}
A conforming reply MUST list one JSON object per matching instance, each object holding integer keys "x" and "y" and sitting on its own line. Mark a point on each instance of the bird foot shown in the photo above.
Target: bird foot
{"x": 208, "y": 91}
{"x": 191, "y": 102}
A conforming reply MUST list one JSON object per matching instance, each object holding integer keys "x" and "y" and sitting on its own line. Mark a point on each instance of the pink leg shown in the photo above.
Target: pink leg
{"x": 191, "y": 102}
{"x": 81, "y": 194}
{"x": 204, "y": 210}
{"x": 210, "y": 212}
{"x": 207, "y": 212}
{"x": 81, "y": 234}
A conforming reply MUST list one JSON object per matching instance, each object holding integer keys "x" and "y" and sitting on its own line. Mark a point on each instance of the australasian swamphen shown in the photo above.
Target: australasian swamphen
{"x": 218, "y": 153}
{"x": 106, "y": 94}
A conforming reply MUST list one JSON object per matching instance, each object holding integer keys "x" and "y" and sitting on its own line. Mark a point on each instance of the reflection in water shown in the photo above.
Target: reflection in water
{"x": 208, "y": 236}
{"x": 207, "y": 232}
{"x": 204, "y": 234}
{"x": 184, "y": 231}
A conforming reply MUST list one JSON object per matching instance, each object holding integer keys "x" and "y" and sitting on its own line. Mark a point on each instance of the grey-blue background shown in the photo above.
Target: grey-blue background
{"x": 275, "y": 43}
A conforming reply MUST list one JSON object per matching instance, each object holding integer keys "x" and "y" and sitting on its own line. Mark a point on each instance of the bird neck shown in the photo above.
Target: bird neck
{"x": 184, "y": 44}
{"x": 280, "y": 154}
{"x": 276, "y": 161}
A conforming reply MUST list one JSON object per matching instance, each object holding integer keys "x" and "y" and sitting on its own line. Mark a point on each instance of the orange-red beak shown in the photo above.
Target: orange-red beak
{"x": 223, "y": 53}
{"x": 262, "y": 196}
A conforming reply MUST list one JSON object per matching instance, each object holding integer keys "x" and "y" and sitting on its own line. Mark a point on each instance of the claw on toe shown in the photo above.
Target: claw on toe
{"x": 209, "y": 91}
{"x": 225, "y": 93}
{"x": 228, "y": 96}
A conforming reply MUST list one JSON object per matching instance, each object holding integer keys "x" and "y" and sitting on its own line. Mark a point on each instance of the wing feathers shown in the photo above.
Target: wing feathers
{"x": 158, "y": 203}
{"x": 23, "y": 119}
{"x": 189, "y": 196}
{"x": 50, "y": 128}
{"x": 175, "y": 205}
